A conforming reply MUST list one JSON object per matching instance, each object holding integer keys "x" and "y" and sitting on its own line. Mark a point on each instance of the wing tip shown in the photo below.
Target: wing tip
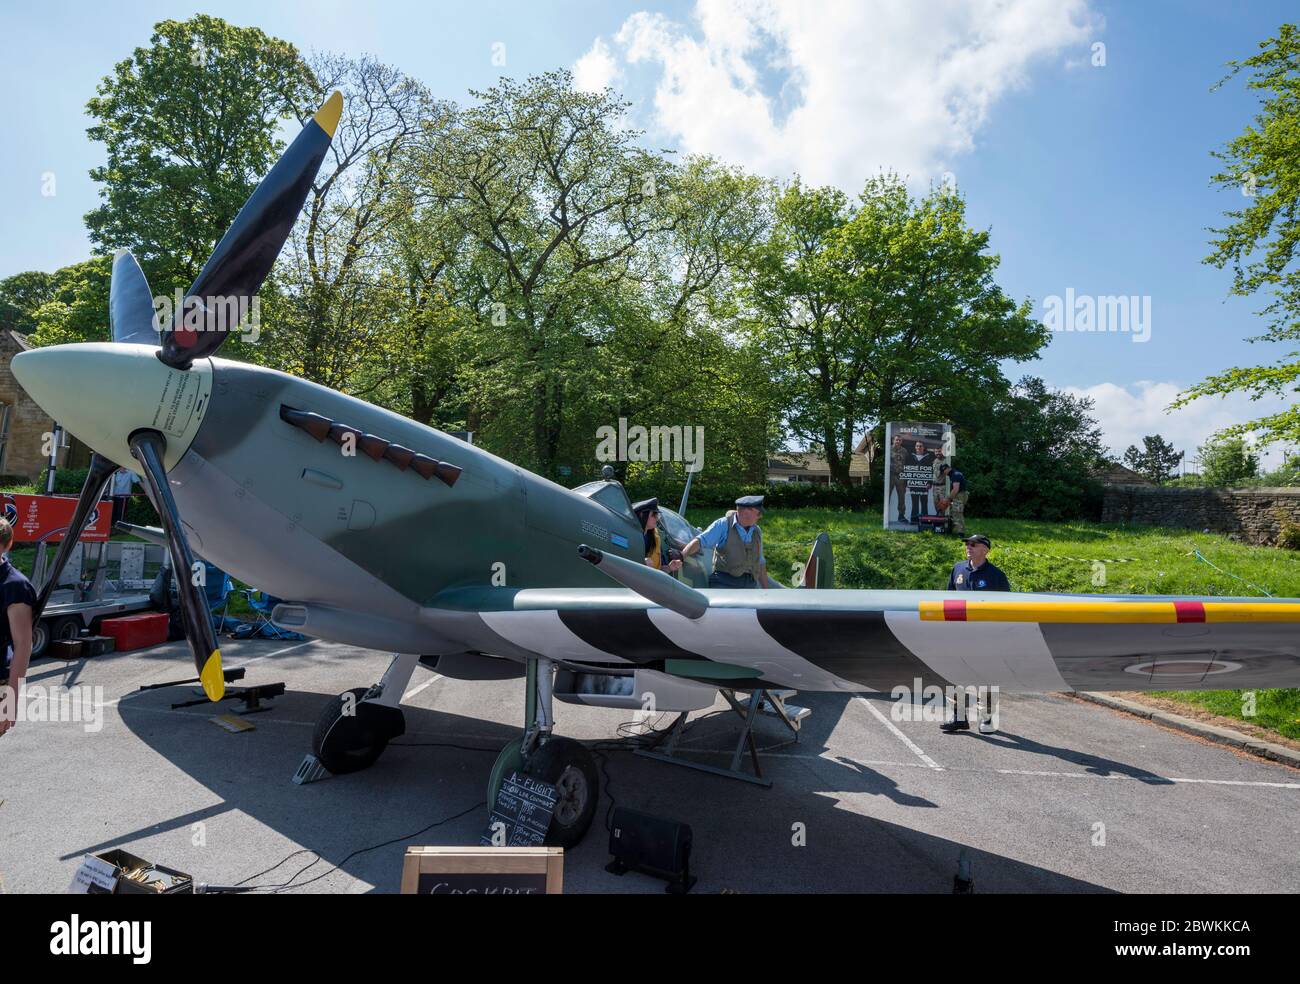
{"x": 327, "y": 117}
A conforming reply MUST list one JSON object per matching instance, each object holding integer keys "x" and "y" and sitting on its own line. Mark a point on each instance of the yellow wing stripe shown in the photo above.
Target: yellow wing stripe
{"x": 1108, "y": 611}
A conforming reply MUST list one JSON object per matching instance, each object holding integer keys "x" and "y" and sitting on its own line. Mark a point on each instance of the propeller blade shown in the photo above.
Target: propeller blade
{"x": 130, "y": 305}
{"x": 248, "y": 250}
{"x": 101, "y": 470}
{"x": 148, "y": 447}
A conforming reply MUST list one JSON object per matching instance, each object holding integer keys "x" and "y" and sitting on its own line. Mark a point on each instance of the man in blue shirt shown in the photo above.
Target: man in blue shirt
{"x": 737, "y": 544}
{"x": 975, "y": 573}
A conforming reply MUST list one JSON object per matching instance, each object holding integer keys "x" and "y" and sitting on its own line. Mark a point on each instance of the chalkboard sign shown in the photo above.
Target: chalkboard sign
{"x": 521, "y": 815}
{"x": 483, "y": 871}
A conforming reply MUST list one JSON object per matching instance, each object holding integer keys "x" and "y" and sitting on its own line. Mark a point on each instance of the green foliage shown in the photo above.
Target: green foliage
{"x": 1275, "y": 708}
{"x": 1288, "y": 531}
{"x": 884, "y": 309}
{"x": 1227, "y": 460}
{"x": 1029, "y": 454}
{"x": 1157, "y": 459}
{"x": 778, "y": 496}
{"x": 21, "y": 295}
{"x": 68, "y": 305}
{"x": 188, "y": 125}
{"x": 1260, "y": 242}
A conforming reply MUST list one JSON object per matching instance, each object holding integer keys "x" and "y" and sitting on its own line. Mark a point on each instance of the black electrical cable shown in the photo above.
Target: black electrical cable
{"x": 440, "y": 744}
{"x": 335, "y": 867}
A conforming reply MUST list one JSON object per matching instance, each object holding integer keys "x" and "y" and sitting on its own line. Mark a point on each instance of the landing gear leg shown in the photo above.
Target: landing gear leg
{"x": 564, "y": 763}
{"x": 355, "y": 728}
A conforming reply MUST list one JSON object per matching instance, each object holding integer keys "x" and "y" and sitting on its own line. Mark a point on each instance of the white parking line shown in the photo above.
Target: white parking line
{"x": 434, "y": 678}
{"x": 931, "y": 763}
{"x": 286, "y": 649}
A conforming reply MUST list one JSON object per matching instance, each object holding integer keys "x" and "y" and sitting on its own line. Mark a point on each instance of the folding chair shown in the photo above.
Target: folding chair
{"x": 262, "y": 604}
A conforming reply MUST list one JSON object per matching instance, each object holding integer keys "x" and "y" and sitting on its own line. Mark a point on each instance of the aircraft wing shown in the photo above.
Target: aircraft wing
{"x": 825, "y": 639}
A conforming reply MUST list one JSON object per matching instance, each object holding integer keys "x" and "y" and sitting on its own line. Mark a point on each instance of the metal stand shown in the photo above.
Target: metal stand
{"x": 251, "y": 697}
{"x": 748, "y": 708}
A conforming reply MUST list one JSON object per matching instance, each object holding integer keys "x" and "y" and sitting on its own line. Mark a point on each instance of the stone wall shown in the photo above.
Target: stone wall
{"x": 28, "y": 423}
{"x": 1250, "y": 515}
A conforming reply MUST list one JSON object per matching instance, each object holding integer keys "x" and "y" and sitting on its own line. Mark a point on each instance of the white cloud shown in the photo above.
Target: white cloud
{"x": 596, "y": 69}
{"x": 1128, "y": 413}
{"x": 837, "y": 90}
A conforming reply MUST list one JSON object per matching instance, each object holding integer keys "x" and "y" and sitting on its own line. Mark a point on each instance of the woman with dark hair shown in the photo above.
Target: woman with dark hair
{"x": 656, "y": 548}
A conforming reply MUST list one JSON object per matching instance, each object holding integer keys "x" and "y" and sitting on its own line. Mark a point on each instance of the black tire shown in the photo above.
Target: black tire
{"x": 351, "y": 742}
{"x": 40, "y": 638}
{"x": 67, "y": 627}
{"x": 570, "y": 768}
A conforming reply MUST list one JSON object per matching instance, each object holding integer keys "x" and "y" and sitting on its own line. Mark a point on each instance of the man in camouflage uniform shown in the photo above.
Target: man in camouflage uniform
{"x": 958, "y": 494}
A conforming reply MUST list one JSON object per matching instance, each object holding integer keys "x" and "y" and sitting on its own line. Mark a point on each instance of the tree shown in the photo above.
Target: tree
{"x": 1261, "y": 242}
{"x": 1157, "y": 459}
{"x": 21, "y": 295}
{"x": 555, "y": 197}
{"x": 1030, "y": 453}
{"x": 72, "y": 305}
{"x": 1227, "y": 460}
{"x": 884, "y": 307}
{"x": 189, "y": 126}
{"x": 338, "y": 307}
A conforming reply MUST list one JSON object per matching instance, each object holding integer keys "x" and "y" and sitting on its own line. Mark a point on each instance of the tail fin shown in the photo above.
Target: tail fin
{"x": 820, "y": 569}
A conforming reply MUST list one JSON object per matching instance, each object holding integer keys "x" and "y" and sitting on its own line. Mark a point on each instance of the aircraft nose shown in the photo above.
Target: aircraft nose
{"x": 102, "y": 392}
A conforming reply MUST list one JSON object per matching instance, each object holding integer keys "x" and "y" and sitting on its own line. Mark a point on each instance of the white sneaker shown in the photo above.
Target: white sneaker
{"x": 986, "y": 727}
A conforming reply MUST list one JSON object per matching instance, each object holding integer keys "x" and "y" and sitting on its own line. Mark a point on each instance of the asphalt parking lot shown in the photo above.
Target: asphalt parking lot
{"x": 1068, "y": 797}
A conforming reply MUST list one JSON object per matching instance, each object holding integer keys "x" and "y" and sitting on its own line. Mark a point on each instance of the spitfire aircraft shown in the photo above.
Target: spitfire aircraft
{"x": 430, "y": 548}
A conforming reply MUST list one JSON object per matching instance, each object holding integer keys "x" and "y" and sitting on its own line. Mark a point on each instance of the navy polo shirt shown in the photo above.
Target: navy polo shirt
{"x": 955, "y": 476}
{"x": 15, "y": 589}
{"x": 986, "y": 577}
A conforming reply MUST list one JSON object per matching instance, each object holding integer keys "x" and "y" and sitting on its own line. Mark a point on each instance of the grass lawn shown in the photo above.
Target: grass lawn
{"x": 1054, "y": 557}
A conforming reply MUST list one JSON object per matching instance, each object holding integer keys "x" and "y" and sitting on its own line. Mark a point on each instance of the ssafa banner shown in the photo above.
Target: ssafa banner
{"x": 45, "y": 518}
{"x": 912, "y": 481}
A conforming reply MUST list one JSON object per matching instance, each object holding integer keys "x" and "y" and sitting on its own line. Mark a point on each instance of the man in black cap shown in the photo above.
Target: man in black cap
{"x": 656, "y": 548}
{"x": 975, "y": 573}
{"x": 737, "y": 543}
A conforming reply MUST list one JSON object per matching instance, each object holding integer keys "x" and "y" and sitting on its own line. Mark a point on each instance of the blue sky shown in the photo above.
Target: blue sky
{"x": 1091, "y": 178}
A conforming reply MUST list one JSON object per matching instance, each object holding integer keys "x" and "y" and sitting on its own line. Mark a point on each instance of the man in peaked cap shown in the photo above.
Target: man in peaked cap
{"x": 737, "y": 544}
{"x": 975, "y": 573}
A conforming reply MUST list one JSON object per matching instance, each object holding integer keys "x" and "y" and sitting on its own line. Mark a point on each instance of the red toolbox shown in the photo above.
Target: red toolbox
{"x": 136, "y": 631}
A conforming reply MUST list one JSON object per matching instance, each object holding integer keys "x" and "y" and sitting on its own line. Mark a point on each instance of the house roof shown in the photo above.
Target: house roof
{"x": 806, "y": 463}
{"x": 21, "y": 339}
{"x": 1117, "y": 474}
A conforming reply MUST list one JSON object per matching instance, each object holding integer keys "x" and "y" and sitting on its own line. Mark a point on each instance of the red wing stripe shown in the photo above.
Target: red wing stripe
{"x": 954, "y": 611}
{"x": 1189, "y": 611}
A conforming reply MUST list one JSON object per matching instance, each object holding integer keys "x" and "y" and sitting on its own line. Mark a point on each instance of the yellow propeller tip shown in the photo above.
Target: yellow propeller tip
{"x": 327, "y": 117}
{"x": 213, "y": 680}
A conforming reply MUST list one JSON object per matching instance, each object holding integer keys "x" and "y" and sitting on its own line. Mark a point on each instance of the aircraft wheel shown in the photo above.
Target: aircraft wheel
{"x": 349, "y": 742}
{"x": 570, "y": 768}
